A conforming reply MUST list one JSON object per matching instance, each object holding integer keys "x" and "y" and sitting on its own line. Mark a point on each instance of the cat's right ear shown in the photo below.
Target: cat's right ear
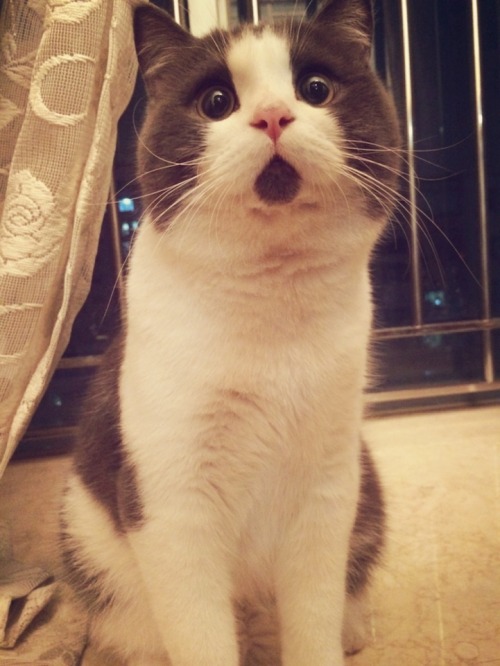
{"x": 355, "y": 16}
{"x": 157, "y": 37}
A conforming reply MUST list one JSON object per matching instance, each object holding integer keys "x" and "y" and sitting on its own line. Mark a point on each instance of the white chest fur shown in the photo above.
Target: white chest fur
{"x": 264, "y": 356}
{"x": 241, "y": 406}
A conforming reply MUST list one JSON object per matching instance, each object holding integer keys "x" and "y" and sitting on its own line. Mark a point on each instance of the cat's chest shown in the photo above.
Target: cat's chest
{"x": 264, "y": 342}
{"x": 217, "y": 377}
{"x": 285, "y": 290}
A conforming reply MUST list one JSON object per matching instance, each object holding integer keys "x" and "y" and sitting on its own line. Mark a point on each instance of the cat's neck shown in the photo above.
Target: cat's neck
{"x": 260, "y": 241}
{"x": 275, "y": 288}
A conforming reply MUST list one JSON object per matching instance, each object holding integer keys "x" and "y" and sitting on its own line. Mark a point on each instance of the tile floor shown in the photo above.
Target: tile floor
{"x": 436, "y": 599}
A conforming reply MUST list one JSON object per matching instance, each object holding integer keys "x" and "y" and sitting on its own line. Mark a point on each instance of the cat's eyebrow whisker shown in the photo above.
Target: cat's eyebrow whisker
{"x": 291, "y": 26}
{"x": 299, "y": 32}
{"x": 225, "y": 37}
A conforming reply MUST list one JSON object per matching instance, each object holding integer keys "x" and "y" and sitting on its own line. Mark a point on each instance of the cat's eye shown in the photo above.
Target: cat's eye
{"x": 216, "y": 103}
{"x": 316, "y": 89}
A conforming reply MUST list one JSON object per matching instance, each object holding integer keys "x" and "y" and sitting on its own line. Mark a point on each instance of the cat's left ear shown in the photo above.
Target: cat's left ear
{"x": 354, "y": 16}
{"x": 157, "y": 40}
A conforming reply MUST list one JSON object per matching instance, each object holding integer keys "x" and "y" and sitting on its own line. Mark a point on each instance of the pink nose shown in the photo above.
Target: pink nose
{"x": 272, "y": 120}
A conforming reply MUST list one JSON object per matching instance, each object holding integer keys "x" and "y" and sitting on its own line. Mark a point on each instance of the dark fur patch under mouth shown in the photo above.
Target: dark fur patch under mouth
{"x": 278, "y": 182}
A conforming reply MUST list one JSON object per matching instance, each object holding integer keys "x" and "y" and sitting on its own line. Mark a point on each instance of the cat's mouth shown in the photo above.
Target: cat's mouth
{"x": 278, "y": 183}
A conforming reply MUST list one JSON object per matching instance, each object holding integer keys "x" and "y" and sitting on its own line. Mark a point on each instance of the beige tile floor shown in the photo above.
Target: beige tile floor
{"x": 436, "y": 600}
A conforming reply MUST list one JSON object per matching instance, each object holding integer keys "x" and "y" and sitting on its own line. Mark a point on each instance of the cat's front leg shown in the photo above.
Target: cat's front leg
{"x": 311, "y": 576}
{"x": 185, "y": 574}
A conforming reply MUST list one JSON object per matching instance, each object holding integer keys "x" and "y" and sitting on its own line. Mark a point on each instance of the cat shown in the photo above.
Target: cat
{"x": 222, "y": 509}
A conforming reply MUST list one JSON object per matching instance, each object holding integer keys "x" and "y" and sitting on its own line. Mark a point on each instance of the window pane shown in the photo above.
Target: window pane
{"x": 240, "y": 11}
{"x": 429, "y": 360}
{"x": 489, "y": 14}
{"x": 496, "y": 353}
{"x": 61, "y": 403}
{"x": 391, "y": 269}
{"x": 98, "y": 319}
{"x": 392, "y": 277}
{"x": 445, "y": 126}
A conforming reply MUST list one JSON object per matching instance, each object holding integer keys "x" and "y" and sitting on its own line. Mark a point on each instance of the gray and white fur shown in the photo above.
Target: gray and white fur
{"x": 222, "y": 509}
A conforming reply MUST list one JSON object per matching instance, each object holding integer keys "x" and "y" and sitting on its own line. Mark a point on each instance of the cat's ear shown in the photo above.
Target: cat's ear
{"x": 156, "y": 37}
{"x": 355, "y": 16}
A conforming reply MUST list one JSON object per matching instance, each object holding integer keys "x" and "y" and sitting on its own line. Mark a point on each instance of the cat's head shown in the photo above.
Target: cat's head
{"x": 266, "y": 118}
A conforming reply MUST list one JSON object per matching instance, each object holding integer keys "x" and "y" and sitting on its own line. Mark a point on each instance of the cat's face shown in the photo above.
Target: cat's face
{"x": 266, "y": 118}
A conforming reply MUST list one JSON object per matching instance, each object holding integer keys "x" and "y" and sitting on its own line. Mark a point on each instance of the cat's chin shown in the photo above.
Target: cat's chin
{"x": 274, "y": 212}
{"x": 278, "y": 183}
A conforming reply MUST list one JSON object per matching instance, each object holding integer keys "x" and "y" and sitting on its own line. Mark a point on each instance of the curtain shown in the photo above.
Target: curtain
{"x": 67, "y": 71}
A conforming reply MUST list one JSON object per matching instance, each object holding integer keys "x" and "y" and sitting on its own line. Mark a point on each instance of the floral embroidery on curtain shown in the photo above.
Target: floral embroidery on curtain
{"x": 67, "y": 71}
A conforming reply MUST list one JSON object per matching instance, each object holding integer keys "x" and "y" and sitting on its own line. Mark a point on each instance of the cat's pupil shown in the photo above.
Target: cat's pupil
{"x": 316, "y": 89}
{"x": 216, "y": 103}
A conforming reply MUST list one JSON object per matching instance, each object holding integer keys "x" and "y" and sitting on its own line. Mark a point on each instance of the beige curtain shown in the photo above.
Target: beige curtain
{"x": 67, "y": 70}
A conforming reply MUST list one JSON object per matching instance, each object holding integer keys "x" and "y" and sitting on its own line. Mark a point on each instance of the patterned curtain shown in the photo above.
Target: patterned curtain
{"x": 67, "y": 71}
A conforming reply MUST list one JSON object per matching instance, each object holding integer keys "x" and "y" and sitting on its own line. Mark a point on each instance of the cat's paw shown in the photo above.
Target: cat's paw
{"x": 355, "y": 629}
